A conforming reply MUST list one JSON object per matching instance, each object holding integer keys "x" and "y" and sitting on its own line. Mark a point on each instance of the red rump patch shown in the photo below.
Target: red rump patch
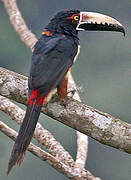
{"x": 35, "y": 98}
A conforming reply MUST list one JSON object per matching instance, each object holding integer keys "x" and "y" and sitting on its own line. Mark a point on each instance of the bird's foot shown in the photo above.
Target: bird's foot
{"x": 72, "y": 92}
{"x": 64, "y": 102}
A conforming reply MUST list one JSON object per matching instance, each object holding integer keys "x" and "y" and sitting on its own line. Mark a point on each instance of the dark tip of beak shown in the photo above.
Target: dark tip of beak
{"x": 117, "y": 28}
{"x": 102, "y": 27}
{"x": 123, "y": 31}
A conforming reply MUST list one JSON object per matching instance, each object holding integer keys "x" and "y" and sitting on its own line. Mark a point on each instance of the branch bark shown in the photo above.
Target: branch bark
{"x": 68, "y": 171}
{"x": 82, "y": 140}
{"x": 101, "y": 126}
{"x": 41, "y": 135}
{"x": 19, "y": 24}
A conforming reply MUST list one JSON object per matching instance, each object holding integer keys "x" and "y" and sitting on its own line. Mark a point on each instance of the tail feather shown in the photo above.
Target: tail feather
{"x": 25, "y": 134}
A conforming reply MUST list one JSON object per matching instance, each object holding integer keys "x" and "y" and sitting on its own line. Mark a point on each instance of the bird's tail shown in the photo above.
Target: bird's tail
{"x": 26, "y": 130}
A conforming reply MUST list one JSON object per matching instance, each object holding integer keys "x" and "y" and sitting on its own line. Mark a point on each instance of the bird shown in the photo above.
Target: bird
{"x": 52, "y": 59}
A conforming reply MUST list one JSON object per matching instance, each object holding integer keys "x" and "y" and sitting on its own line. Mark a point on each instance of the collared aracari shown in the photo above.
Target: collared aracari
{"x": 52, "y": 59}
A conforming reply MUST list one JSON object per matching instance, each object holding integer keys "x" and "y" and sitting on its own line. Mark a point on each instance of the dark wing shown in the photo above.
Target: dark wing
{"x": 50, "y": 62}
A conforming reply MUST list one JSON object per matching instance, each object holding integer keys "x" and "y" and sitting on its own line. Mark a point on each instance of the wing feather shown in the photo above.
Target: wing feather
{"x": 50, "y": 62}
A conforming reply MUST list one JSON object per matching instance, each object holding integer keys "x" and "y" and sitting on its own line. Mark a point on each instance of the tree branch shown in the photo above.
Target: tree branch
{"x": 82, "y": 140}
{"x": 99, "y": 125}
{"x": 41, "y": 135}
{"x": 70, "y": 172}
{"x": 19, "y": 24}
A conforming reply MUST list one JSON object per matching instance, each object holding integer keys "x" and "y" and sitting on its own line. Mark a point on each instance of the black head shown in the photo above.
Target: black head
{"x": 71, "y": 21}
{"x": 65, "y": 22}
{"x": 65, "y": 14}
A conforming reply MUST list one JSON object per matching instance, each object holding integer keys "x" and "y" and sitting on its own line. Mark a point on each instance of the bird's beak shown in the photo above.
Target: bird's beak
{"x": 91, "y": 21}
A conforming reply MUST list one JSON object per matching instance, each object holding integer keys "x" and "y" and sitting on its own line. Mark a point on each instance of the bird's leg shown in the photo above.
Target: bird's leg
{"x": 62, "y": 91}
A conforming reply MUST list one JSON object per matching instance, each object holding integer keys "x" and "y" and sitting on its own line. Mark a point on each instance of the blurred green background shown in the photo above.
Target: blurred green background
{"x": 103, "y": 69}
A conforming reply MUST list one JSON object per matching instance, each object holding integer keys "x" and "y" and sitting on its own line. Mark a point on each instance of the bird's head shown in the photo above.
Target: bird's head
{"x": 72, "y": 21}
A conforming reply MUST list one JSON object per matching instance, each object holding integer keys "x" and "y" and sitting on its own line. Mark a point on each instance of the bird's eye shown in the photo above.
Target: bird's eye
{"x": 76, "y": 18}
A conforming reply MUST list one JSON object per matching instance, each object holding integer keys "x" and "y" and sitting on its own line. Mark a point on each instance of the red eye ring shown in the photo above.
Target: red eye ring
{"x": 74, "y": 17}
